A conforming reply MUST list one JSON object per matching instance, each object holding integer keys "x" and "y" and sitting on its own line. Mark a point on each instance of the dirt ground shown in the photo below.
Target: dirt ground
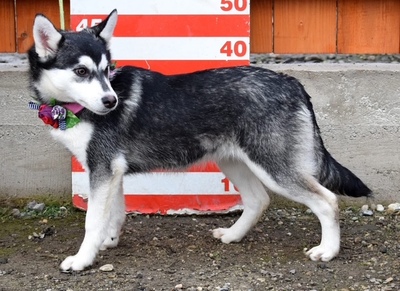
{"x": 179, "y": 253}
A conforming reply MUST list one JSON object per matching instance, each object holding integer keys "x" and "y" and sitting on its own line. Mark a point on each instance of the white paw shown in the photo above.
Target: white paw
{"x": 110, "y": 242}
{"x": 75, "y": 263}
{"x": 324, "y": 254}
{"x": 226, "y": 235}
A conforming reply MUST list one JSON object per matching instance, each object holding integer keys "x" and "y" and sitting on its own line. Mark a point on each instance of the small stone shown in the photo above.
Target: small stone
{"x": 31, "y": 205}
{"x": 365, "y": 211}
{"x": 15, "y": 212}
{"x": 309, "y": 211}
{"x": 226, "y": 287}
{"x": 3, "y": 260}
{"x": 179, "y": 286}
{"x": 388, "y": 280}
{"x": 394, "y": 207}
{"x": 293, "y": 271}
{"x": 383, "y": 249}
{"x": 380, "y": 208}
{"x": 39, "y": 207}
{"x": 368, "y": 212}
{"x": 107, "y": 268}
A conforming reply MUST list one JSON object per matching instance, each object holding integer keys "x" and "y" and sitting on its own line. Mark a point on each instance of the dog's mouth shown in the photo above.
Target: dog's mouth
{"x": 99, "y": 111}
{"x": 102, "y": 111}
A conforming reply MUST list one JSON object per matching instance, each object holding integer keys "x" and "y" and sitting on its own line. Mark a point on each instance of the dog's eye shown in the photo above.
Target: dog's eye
{"x": 81, "y": 72}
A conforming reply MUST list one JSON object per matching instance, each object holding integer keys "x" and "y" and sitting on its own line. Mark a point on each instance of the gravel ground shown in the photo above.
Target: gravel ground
{"x": 179, "y": 253}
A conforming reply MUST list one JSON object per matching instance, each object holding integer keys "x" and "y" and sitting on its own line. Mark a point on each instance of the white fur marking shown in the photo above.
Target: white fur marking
{"x": 132, "y": 103}
{"x": 76, "y": 139}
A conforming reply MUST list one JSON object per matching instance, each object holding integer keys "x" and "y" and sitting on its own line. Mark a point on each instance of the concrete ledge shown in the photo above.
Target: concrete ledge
{"x": 357, "y": 107}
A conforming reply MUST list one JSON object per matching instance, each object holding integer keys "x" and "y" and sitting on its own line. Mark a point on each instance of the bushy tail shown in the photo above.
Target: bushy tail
{"x": 341, "y": 180}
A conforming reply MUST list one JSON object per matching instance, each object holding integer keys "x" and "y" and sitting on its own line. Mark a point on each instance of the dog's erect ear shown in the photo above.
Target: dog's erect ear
{"x": 105, "y": 29}
{"x": 46, "y": 37}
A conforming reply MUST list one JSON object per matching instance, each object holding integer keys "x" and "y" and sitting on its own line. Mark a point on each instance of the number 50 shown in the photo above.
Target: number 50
{"x": 238, "y": 5}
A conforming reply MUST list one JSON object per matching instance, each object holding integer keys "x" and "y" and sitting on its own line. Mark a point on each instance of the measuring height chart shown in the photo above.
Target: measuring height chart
{"x": 171, "y": 37}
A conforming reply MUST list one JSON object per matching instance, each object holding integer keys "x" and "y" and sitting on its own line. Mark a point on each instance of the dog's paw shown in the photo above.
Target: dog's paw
{"x": 226, "y": 235}
{"x": 324, "y": 254}
{"x": 74, "y": 263}
{"x": 110, "y": 242}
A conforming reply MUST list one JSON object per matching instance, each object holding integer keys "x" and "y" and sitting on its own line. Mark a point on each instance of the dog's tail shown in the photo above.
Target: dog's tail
{"x": 333, "y": 175}
{"x": 339, "y": 179}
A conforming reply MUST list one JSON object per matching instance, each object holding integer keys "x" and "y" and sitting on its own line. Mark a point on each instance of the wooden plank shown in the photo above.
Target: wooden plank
{"x": 305, "y": 26}
{"x": 7, "y": 22}
{"x": 261, "y": 26}
{"x": 369, "y": 26}
{"x": 26, "y": 11}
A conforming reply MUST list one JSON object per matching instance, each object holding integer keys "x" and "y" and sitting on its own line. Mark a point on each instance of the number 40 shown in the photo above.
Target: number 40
{"x": 239, "y": 48}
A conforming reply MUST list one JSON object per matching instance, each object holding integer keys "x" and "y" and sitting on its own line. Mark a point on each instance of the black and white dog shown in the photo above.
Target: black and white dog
{"x": 259, "y": 127}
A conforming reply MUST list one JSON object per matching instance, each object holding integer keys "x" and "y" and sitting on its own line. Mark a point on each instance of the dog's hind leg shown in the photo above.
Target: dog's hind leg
{"x": 105, "y": 186}
{"x": 308, "y": 191}
{"x": 325, "y": 206}
{"x": 254, "y": 198}
{"x": 117, "y": 219}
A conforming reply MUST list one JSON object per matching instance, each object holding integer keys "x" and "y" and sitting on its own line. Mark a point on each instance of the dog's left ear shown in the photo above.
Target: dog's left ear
{"x": 46, "y": 37}
{"x": 105, "y": 29}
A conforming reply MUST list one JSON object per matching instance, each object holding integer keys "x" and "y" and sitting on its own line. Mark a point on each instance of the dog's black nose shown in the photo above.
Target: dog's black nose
{"x": 109, "y": 101}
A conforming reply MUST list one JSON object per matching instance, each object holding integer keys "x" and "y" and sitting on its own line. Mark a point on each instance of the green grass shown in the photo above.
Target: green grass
{"x": 54, "y": 208}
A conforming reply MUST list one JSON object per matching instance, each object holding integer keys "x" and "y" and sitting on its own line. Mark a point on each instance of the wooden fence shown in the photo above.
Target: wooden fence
{"x": 279, "y": 26}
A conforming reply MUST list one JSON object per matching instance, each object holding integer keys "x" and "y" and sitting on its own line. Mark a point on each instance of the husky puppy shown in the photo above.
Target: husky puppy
{"x": 257, "y": 125}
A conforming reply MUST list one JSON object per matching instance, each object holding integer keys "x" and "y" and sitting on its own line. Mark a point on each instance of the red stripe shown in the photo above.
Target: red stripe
{"x": 173, "y": 25}
{"x": 169, "y": 67}
{"x": 210, "y": 167}
{"x": 163, "y": 203}
{"x": 76, "y": 166}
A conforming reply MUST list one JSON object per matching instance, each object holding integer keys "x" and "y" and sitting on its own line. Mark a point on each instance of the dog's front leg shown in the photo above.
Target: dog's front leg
{"x": 100, "y": 204}
{"x": 117, "y": 219}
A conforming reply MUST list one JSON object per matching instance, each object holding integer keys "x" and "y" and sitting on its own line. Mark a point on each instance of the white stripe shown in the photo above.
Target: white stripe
{"x": 163, "y": 183}
{"x": 168, "y": 7}
{"x": 177, "y": 48}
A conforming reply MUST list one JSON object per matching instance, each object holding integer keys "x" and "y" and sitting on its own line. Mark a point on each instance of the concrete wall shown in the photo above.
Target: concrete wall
{"x": 357, "y": 107}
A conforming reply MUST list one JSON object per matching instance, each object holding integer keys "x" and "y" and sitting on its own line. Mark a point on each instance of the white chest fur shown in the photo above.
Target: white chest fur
{"x": 76, "y": 139}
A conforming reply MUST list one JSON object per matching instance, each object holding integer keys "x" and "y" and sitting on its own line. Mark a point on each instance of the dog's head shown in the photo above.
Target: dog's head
{"x": 73, "y": 66}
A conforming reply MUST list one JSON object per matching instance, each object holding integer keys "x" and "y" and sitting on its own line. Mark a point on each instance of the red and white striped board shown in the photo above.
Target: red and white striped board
{"x": 171, "y": 37}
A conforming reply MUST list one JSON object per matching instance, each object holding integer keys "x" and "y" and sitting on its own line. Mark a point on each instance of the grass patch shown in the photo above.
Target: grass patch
{"x": 54, "y": 208}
